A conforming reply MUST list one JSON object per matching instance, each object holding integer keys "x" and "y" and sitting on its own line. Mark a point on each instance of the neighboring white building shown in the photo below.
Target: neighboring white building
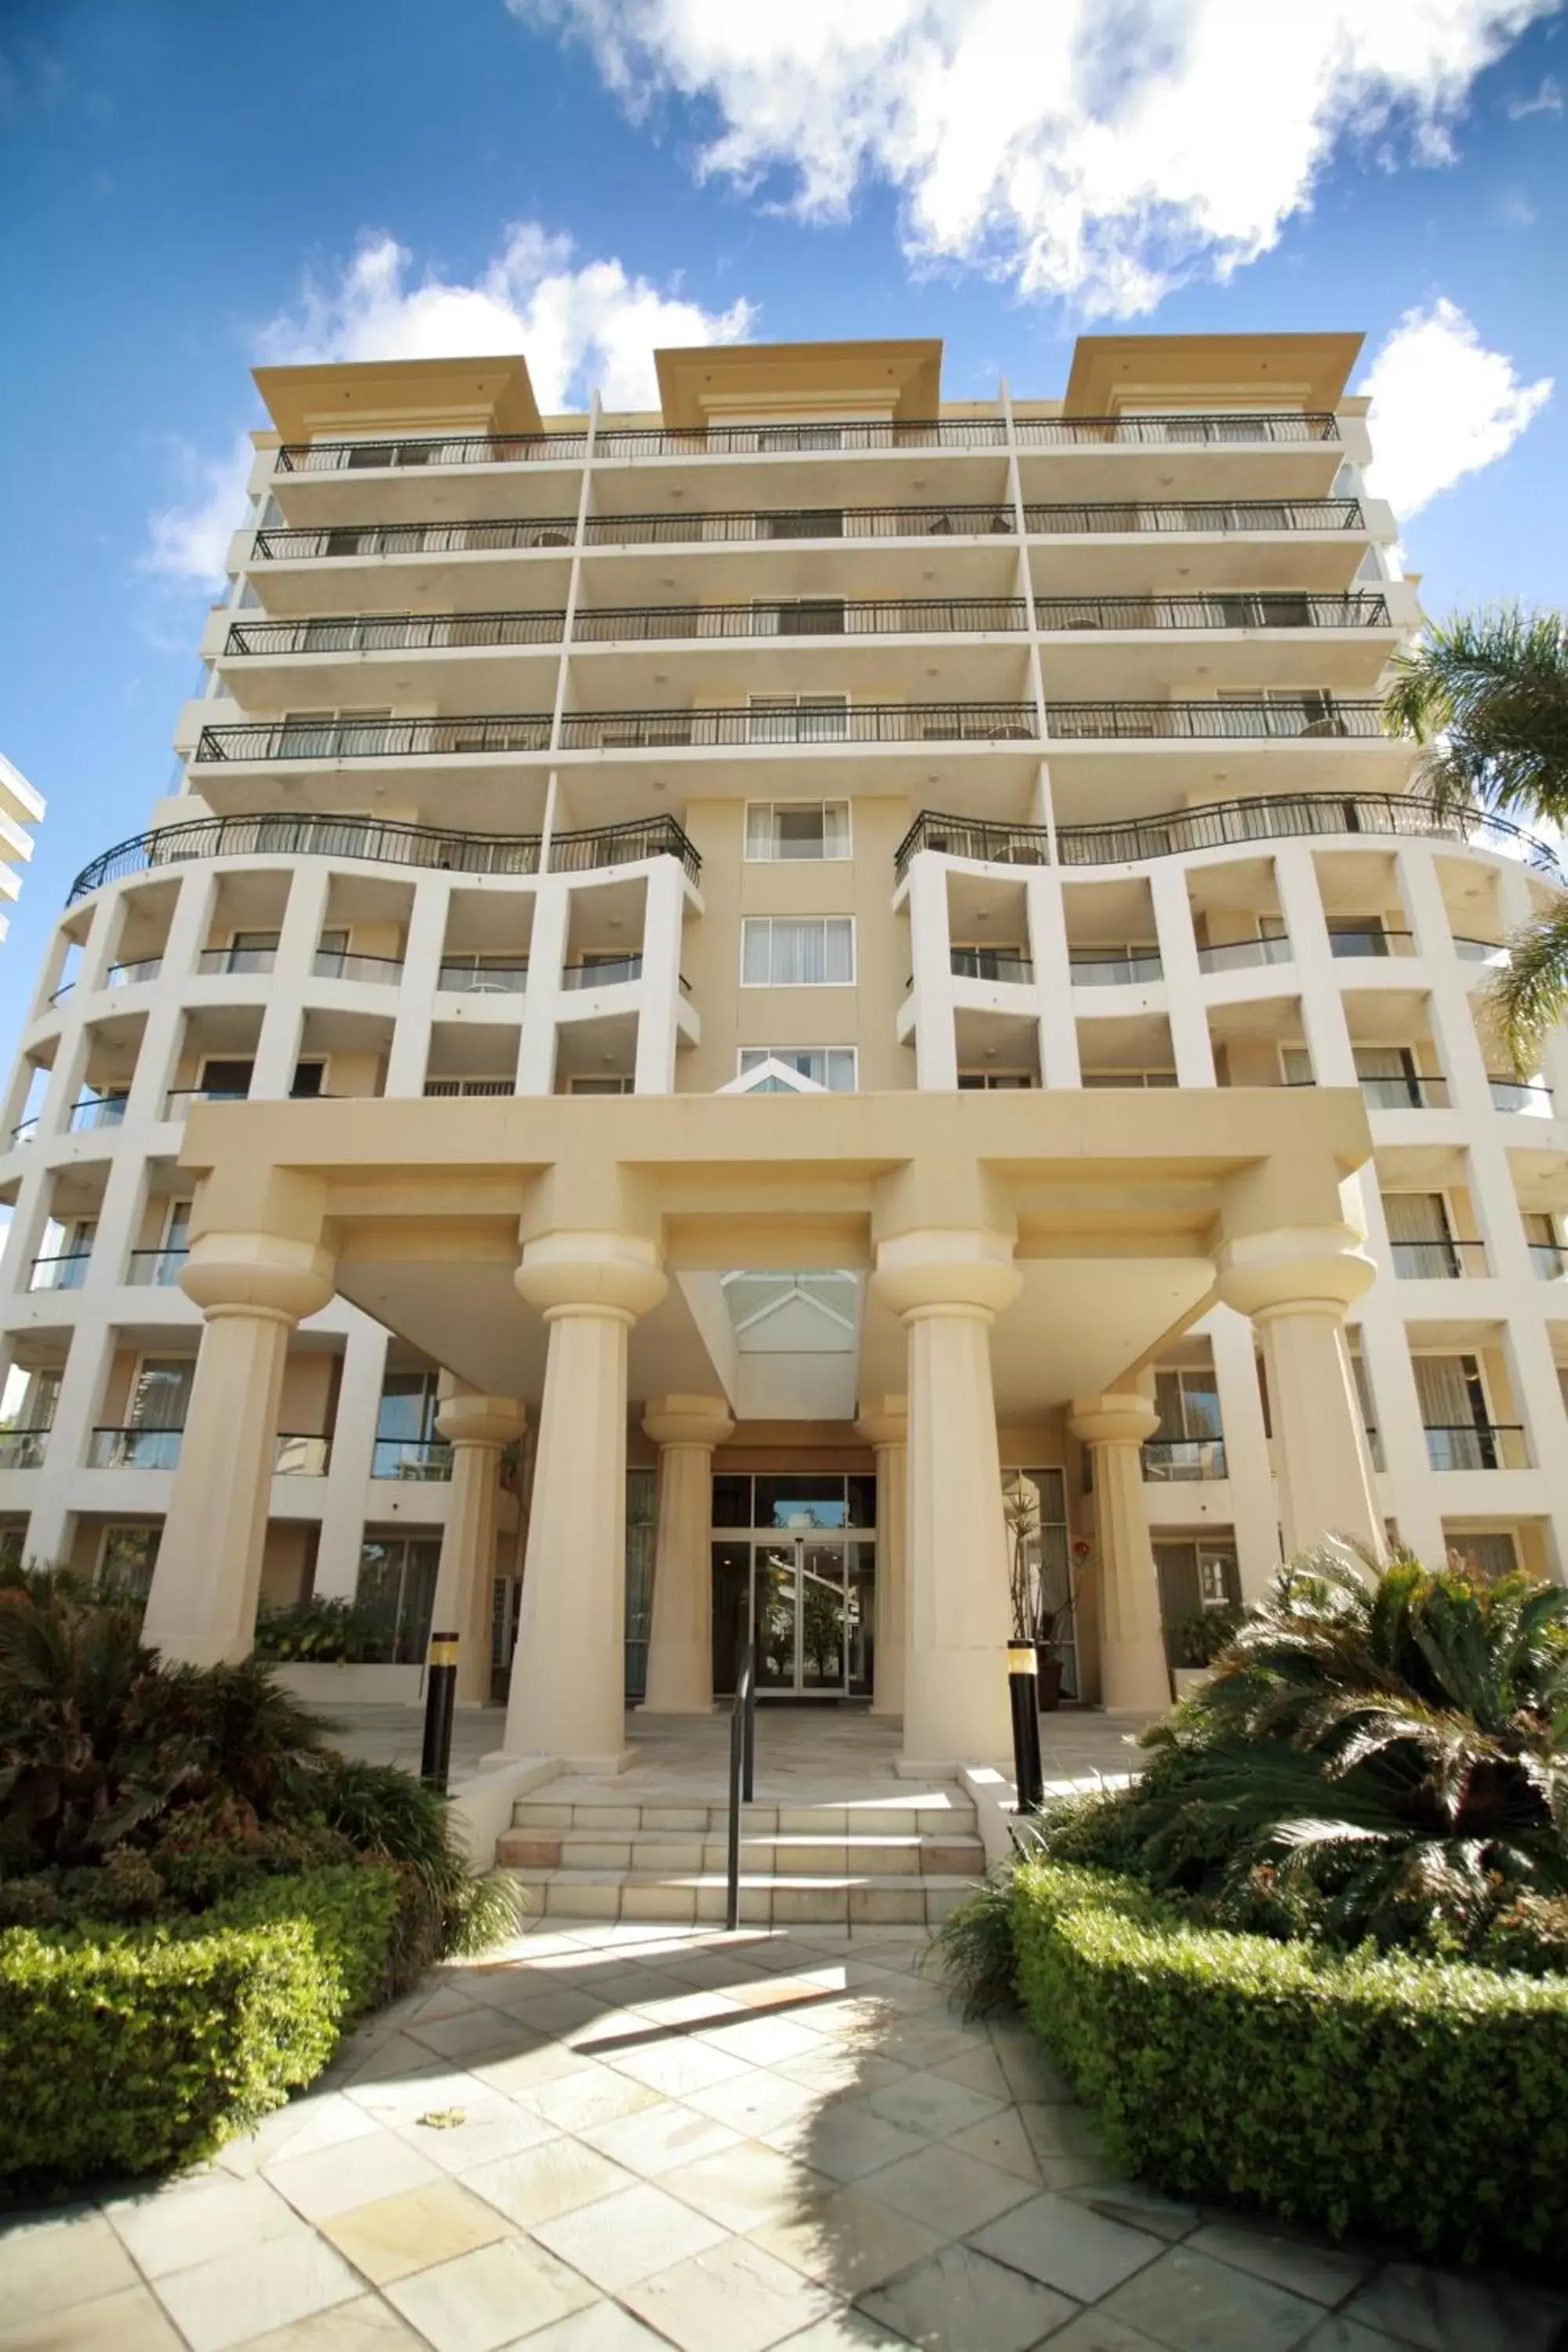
{"x": 20, "y": 806}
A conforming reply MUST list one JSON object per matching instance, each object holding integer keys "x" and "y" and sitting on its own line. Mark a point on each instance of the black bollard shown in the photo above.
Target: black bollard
{"x": 440, "y": 1700}
{"x": 1024, "y": 1692}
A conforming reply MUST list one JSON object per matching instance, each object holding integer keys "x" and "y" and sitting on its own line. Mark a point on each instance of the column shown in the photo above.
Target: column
{"x": 478, "y": 1430}
{"x": 568, "y": 1680}
{"x": 542, "y": 998}
{"x": 1187, "y": 1010}
{"x": 1133, "y": 1676}
{"x": 1057, "y": 1022}
{"x": 686, "y": 1429}
{"x": 658, "y": 990}
{"x": 422, "y": 951}
{"x": 283, "y": 1022}
{"x": 931, "y": 968}
{"x": 887, "y": 1431}
{"x": 1296, "y": 1283}
{"x": 947, "y": 1288}
{"x": 252, "y": 1288}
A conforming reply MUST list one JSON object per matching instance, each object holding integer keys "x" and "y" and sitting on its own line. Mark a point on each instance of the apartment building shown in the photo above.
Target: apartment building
{"x": 20, "y": 806}
{"x": 731, "y": 994}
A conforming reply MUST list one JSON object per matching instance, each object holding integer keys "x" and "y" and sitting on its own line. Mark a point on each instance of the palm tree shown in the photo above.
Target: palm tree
{"x": 1486, "y": 695}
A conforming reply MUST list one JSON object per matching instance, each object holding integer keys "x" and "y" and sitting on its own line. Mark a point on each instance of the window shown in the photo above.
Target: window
{"x": 833, "y": 1066}
{"x": 226, "y": 1080}
{"x": 1196, "y": 1575}
{"x": 798, "y": 719}
{"x": 801, "y": 522}
{"x": 1421, "y": 1235}
{"x": 126, "y": 1559}
{"x": 1128, "y": 1077}
{"x": 1492, "y": 1552}
{"x": 1461, "y": 1434}
{"x": 396, "y": 1588}
{"x": 1189, "y": 1440}
{"x": 799, "y": 616}
{"x": 406, "y": 1444}
{"x": 996, "y": 1081}
{"x": 777, "y": 830}
{"x": 1389, "y": 1079}
{"x": 162, "y": 1395}
{"x": 309, "y": 1081}
{"x": 797, "y": 952}
{"x": 622, "y": 1084}
{"x": 1040, "y": 1561}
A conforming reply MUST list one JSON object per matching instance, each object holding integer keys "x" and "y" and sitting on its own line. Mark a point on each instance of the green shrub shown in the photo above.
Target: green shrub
{"x": 129, "y": 2050}
{"x": 322, "y": 1633}
{"x": 1423, "y": 2100}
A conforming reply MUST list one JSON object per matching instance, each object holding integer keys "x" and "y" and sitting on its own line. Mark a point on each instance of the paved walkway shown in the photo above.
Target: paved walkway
{"x": 624, "y": 2138}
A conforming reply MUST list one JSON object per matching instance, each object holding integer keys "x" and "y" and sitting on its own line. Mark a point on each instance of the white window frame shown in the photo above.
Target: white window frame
{"x": 782, "y": 1054}
{"x": 772, "y": 858}
{"x": 746, "y": 922}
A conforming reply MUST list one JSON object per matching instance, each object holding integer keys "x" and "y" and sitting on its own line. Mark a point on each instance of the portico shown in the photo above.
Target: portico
{"x": 1018, "y": 1262}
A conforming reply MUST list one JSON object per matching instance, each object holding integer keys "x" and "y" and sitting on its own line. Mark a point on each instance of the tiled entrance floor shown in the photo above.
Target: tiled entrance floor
{"x": 620, "y": 2138}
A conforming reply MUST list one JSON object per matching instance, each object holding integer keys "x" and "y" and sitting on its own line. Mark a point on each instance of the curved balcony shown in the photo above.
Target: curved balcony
{"x": 768, "y": 525}
{"x": 292, "y": 545}
{"x": 1309, "y": 716}
{"x": 395, "y": 633}
{"x": 848, "y": 437}
{"x": 1222, "y": 825}
{"x": 375, "y": 738}
{"x": 455, "y": 449}
{"x": 385, "y": 843}
{"x": 22, "y": 1449}
{"x": 339, "y": 963}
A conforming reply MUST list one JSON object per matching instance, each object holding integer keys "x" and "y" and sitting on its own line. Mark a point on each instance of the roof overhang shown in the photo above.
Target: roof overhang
{"x": 1113, "y": 372}
{"x": 477, "y": 395}
{"x": 714, "y": 382}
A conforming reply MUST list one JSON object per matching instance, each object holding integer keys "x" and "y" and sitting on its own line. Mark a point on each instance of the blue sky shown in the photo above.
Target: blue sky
{"x": 191, "y": 188}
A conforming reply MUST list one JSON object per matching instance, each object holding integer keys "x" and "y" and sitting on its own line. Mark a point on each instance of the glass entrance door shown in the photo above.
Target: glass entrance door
{"x": 800, "y": 1617}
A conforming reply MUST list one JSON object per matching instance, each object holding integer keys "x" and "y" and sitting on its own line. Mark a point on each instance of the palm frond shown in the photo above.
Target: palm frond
{"x": 1486, "y": 696}
{"x": 1528, "y": 995}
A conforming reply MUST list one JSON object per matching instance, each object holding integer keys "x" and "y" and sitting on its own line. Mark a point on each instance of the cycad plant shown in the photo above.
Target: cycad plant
{"x": 1486, "y": 696}
{"x": 1378, "y": 1754}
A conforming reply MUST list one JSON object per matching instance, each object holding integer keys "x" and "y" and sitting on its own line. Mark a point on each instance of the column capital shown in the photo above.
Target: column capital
{"x": 704, "y": 1421}
{"x": 1123, "y": 1418}
{"x": 259, "y": 1274}
{"x": 476, "y": 1420}
{"x": 948, "y": 1270}
{"x": 885, "y": 1423}
{"x": 597, "y": 1273}
{"x": 1294, "y": 1270}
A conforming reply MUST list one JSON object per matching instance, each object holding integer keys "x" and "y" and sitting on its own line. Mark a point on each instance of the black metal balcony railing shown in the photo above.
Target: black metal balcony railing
{"x": 156, "y": 1269}
{"x": 376, "y": 739}
{"x": 1197, "y": 430}
{"x": 1548, "y": 1259}
{"x": 1404, "y": 1093}
{"x": 179, "y": 1099}
{"x": 97, "y": 1110}
{"x": 66, "y": 1270}
{"x": 348, "y": 540}
{"x": 453, "y": 449}
{"x": 22, "y": 1449}
{"x": 1241, "y": 955}
{"x": 236, "y": 961}
{"x": 981, "y": 522}
{"x": 1374, "y": 940}
{"x": 848, "y": 437}
{"x": 1170, "y": 1461}
{"x": 804, "y": 617}
{"x": 339, "y": 963}
{"x": 396, "y": 633}
{"x": 991, "y": 964}
{"x": 63, "y": 993}
{"x": 134, "y": 1449}
{"x": 1438, "y": 1261}
{"x": 1200, "y": 515}
{"x": 1476, "y": 1445}
{"x": 411, "y": 1457}
{"x": 1221, "y": 824}
{"x": 1090, "y": 968}
{"x": 607, "y": 971}
{"x": 25, "y": 1129}
{"x": 130, "y": 975}
{"x": 866, "y": 722}
{"x": 1236, "y": 610}
{"x": 1278, "y": 721}
{"x": 1531, "y": 1095}
{"x": 385, "y": 843}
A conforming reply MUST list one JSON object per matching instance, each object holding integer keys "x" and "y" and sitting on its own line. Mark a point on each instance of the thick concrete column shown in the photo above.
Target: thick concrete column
{"x": 478, "y": 1429}
{"x": 686, "y": 1429}
{"x": 887, "y": 1431}
{"x": 1133, "y": 1676}
{"x": 1296, "y": 1282}
{"x": 948, "y": 1286}
{"x": 252, "y": 1288}
{"x": 568, "y": 1679}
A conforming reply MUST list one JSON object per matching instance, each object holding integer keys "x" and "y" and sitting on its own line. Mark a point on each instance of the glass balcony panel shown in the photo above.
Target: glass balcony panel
{"x": 411, "y": 1457}
{"x": 1241, "y": 955}
{"x": 134, "y": 1449}
{"x": 22, "y": 1449}
{"x": 297, "y": 1456}
{"x": 156, "y": 1269}
{"x": 1176, "y": 1460}
{"x": 1465, "y": 1445}
{"x": 97, "y": 1110}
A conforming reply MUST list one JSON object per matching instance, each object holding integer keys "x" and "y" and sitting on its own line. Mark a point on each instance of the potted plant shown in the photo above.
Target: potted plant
{"x": 1034, "y": 1621}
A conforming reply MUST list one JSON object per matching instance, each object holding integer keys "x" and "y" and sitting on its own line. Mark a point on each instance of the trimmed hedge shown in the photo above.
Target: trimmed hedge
{"x": 1423, "y": 2100}
{"x": 127, "y": 2049}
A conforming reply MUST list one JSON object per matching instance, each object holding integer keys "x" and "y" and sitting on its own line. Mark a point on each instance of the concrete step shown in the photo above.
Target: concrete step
{"x": 895, "y": 1816}
{"x": 681, "y": 1898}
{"x": 948, "y": 1854}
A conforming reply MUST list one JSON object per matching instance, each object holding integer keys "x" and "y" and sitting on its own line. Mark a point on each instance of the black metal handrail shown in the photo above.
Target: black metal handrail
{"x": 743, "y": 1775}
{"x": 396, "y": 632}
{"x": 865, "y": 722}
{"x": 1204, "y": 515}
{"x": 763, "y": 524}
{"x": 387, "y": 843}
{"x": 376, "y": 739}
{"x": 290, "y": 544}
{"x": 1476, "y": 1445}
{"x": 1181, "y": 425}
{"x": 1389, "y": 1090}
{"x": 1437, "y": 1259}
{"x": 1222, "y": 609}
{"x": 1313, "y": 715}
{"x": 1221, "y": 824}
{"x": 444, "y": 449}
{"x": 803, "y": 616}
{"x": 827, "y": 437}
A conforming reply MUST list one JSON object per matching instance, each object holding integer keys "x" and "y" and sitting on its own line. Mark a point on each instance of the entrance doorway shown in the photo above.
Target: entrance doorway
{"x": 806, "y": 1603}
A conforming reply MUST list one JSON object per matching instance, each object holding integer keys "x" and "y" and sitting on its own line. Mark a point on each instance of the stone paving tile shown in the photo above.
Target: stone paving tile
{"x": 222, "y": 2216}
{"x": 596, "y": 2095}
{"x": 1443, "y": 2312}
{"x": 490, "y": 2298}
{"x": 480, "y": 2034}
{"x": 219, "y": 2304}
{"x": 130, "y": 2321}
{"x": 1135, "y": 2202}
{"x": 1336, "y": 2333}
{"x": 753, "y": 2103}
{"x": 958, "y": 2298}
{"x": 847, "y": 2331}
{"x": 661, "y": 2137}
{"x": 1063, "y": 2245}
{"x": 544, "y": 2181}
{"x": 1000, "y": 2140}
{"x": 366, "y": 2324}
{"x": 604, "y": 2327}
{"x": 846, "y": 2239}
{"x": 737, "y": 2298}
{"x": 747, "y": 2185}
{"x": 1096, "y": 2331}
{"x": 675, "y": 2067}
{"x": 1196, "y": 2305}
{"x": 1325, "y": 2274}
{"x": 399, "y": 2235}
{"x": 845, "y": 2140}
{"x": 624, "y": 2238}
{"x": 48, "y": 2263}
{"x": 502, "y": 2128}
{"x": 357, "y": 2172}
{"x": 925, "y": 2104}
{"x": 950, "y": 2193}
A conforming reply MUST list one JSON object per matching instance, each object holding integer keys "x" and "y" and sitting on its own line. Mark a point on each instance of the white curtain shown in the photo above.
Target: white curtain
{"x": 162, "y": 1394}
{"x": 783, "y": 954}
{"x": 1415, "y": 1216}
{"x": 1442, "y": 1385}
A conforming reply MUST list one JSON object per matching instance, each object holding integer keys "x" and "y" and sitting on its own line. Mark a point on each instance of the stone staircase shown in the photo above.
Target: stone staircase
{"x": 586, "y": 1849}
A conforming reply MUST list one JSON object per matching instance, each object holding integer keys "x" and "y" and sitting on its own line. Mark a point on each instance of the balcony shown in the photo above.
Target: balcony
{"x": 25, "y": 1129}
{"x": 62, "y": 994}
{"x": 1478, "y": 1445}
{"x": 1244, "y": 955}
{"x": 22, "y": 1449}
{"x": 237, "y": 961}
{"x": 1171, "y": 1461}
{"x": 134, "y": 1449}
{"x": 1194, "y": 515}
{"x": 1532, "y": 1097}
{"x": 67, "y": 1270}
{"x": 179, "y": 1099}
{"x": 802, "y": 617}
{"x": 1437, "y": 1261}
{"x": 1008, "y": 964}
{"x": 338, "y": 963}
{"x": 866, "y": 722}
{"x": 1487, "y": 951}
{"x": 1268, "y": 610}
{"x": 610, "y": 972}
{"x": 794, "y": 523}
{"x": 97, "y": 1110}
{"x": 156, "y": 1269}
{"x": 829, "y": 439}
{"x": 1373, "y": 941}
{"x": 378, "y": 739}
{"x": 299, "y": 1457}
{"x": 1222, "y": 825}
{"x": 458, "y": 449}
{"x": 1548, "y": 1259}
{"x": 499, "y": 536}
{"x": 1404, "y": 1093}
{"x": 1092, "y": 969}
{"x": 451, "y": 1089}
{"x": 1313, "y": 717}
{"x": 1245, "y": 430}
{"x": 132, "y": 975}
{"x": 478, "y": 976}
{"x": 396, "y": 633}
{"x": 427, "y": 1459}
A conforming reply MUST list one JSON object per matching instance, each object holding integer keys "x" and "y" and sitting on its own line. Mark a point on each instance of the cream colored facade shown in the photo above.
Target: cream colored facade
{"x": 20, "y": 806}
{"x": 1049, "y": 1020}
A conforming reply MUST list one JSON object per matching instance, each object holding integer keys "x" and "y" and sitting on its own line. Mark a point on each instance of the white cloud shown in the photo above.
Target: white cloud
{"x": 189, "y": 540}
{"x": 1547, "y": 100}
{"x": 1442, "y": 406}
{"x": 1100, "y": 149}
{"x": 578, "y": 326}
